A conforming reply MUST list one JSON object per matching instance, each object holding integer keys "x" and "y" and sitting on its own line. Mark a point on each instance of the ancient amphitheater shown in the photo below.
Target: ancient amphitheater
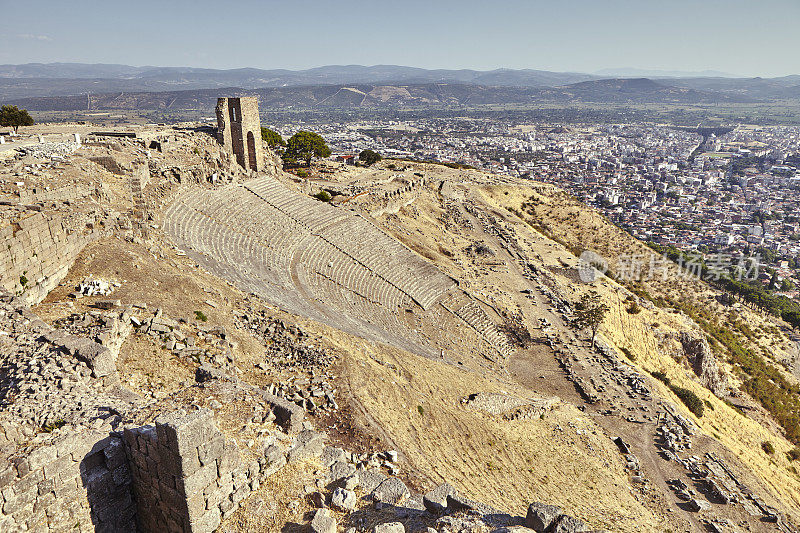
{"x": 319, "y": 261}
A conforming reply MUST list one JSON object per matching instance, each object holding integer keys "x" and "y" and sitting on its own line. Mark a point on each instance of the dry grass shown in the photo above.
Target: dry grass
{"x": 642, "y": 333}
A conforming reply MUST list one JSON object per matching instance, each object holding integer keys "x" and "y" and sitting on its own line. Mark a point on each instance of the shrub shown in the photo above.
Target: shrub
{"x": 628, "y": 354}
{"x": 689, "y": 399}
{"x": 302, "y": 173}
{"x": 793, "y": 454}
{"x": 420, "y": 410}
{"x": 23, "y": 280}
{"x": 661, "y": 376}
{"x": 734, "y": 407}
{"x": 201, "y": 316}
{"x": 323, "y": 196}
{"x": 633, "y": 308}
{"x": 768, "y": 448}
{"x": 52, "y": 426}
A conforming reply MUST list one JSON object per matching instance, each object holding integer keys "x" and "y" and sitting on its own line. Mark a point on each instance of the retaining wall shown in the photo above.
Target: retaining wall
{"x": 36, "y": 253}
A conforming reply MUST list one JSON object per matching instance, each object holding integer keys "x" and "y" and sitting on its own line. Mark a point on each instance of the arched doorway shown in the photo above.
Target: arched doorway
{"x": 251, "y": 150}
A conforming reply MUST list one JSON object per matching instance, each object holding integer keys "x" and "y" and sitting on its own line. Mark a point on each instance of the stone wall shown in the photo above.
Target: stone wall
{"x": 239, "y": 130}
{"x": 78, "y": 481}
{"x": 186, "y": 476}
{"x": 36, "y": 253}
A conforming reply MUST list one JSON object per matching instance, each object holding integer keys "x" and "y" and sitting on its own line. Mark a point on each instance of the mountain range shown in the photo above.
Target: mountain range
{"x": 64, "y": 86}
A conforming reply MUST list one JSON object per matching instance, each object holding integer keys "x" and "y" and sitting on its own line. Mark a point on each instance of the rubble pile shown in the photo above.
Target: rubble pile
{"x": 49, "y": 378}
{"x": 95, "y": 287}
{"x": 51, "y": 150}
{"x": 311, "y": 394}
{"x": 193, "y": 340}
{"x": 673, "y": 434}
{"x": 352, "y": 479}
{"x": 453, "y": 218}
{"x": 287, "y": 346}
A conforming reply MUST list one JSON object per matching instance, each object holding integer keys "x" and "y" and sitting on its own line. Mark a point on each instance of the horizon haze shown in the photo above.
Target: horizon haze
{"x": 742, "y": 39}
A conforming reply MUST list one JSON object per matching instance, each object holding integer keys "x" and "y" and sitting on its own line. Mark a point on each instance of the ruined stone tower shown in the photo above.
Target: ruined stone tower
{"x": 239, "y": 130}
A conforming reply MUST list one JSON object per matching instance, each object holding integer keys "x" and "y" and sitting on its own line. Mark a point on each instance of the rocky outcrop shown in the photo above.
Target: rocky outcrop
{"x": 704, "y": 363}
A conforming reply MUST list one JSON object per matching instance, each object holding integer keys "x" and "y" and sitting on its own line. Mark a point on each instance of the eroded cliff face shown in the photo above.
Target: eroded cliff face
{"x": 704, "y": 363}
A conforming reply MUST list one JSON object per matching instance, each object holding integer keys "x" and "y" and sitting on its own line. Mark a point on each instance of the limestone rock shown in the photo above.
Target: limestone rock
{"x": 323, "y": 522}
{"x": 331, "y": 455}
{"x": 703, "y": 362}
{"x": 392, "y": 491}
{"x": 343, "y": 499}
{"x": 370, "y": 479}
{"x": 340, "y": 470}
{"x": 309, "y": 444}
{"x": 698, "y": 504}
{"x": 568, "y": 524}
{"x": 541, "y": 516}
{"x": 435, "y": 501}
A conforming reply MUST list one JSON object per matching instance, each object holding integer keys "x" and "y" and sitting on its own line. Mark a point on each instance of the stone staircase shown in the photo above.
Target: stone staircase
{"x": 467, "y": 309}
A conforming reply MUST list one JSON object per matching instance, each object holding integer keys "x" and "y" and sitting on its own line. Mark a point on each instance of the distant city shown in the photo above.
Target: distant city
{"x": 713, "y": 191}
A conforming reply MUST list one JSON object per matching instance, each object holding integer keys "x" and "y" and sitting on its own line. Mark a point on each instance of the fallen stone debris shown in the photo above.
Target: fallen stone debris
{"x": 95, "y": 287}
{"x": 51, "y": 150}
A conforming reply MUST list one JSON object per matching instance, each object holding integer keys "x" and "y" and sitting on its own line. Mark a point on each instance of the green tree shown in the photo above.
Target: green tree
{"x": 591, "y": 312}
{"x": 272, "y": 137}
{"x": 305, "y": 145}
{"x": 773, "y": 281}
{"x": 11, "y": 115}
{"x": 369, "y": 157}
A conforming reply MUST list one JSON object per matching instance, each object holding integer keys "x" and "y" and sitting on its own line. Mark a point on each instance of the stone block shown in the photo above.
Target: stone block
{"x": 569, "y": 524}
{"x": 541, "y": 516}
{"x": 29, "y": 482}
{"x": 7, "y": 476}
{"x": 41, "y": 456}
{"x": 60, "y": 464}
{"x": 115, "y": 454}
{"x": 309, "y": 444}
{"x": 46, "y": 485}
{"x": 287, "y": 414}
{"x": 189, "y": 463}
{"x": 323, "y": 522}
{"x": 211, "y": 450}
{"x": 121, "y": 475}
{"x": 208, "y": 523}
{"x": 196, "y": 505}
{"x": 392, "y": 491}
{"x": 230, "y": 459}
{"x": 189, "y": 430}
{"x": 21, "y": 465}
{"x": 67, "y": 487}
{"x": 198, "y": 481}
{"x": 435, "y": 501}
{"x": 99, "y": 481}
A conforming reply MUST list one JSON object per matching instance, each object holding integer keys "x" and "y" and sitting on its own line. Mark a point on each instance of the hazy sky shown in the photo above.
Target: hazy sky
{"x": 738, "y": 36}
